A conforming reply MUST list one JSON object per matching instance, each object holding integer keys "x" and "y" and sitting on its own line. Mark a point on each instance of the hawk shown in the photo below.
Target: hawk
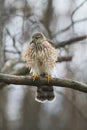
{"x": 41, "y": 57}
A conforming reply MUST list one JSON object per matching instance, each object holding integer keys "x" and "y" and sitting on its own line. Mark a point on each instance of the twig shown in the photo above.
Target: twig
{"x": 10, "y": 51}
{"x": 69, "y": 26}
{"x": 14, "y": 41}
{"x": 77, "y": 8}
{"x": 72, "y": 21}
{"x": 27, "y": 80}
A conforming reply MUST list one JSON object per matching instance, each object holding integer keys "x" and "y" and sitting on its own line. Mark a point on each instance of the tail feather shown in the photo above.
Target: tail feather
{"x": 45, "y": 93}
{"x": 49, "y": 93}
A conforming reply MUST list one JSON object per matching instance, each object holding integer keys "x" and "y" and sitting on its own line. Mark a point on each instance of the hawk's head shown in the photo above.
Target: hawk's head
{"x": 37, "y": 38}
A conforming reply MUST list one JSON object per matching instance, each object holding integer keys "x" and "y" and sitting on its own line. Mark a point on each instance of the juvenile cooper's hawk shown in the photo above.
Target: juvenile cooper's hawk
{"x": 41, "y": 57}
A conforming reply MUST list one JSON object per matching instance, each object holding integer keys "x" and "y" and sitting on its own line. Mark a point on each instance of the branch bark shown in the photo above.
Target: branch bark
{"x": 64, "y": 58}
{"x": 27, "y": 80}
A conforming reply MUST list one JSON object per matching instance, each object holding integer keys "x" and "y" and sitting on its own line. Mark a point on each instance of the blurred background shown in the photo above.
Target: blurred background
{"x": 59, "y": 20}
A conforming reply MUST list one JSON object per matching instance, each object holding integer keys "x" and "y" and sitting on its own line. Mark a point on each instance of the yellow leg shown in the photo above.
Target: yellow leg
{"x": 35, "y": 76}
{"x": 49, "y": 78}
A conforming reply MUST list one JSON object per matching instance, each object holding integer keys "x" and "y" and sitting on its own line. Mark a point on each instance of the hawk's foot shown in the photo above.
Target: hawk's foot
{"x": 49, "y": 78}
{"x": 35, "y": 76}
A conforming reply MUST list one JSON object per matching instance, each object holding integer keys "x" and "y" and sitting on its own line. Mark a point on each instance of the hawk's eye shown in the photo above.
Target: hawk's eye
{"x": 38, "y": 37}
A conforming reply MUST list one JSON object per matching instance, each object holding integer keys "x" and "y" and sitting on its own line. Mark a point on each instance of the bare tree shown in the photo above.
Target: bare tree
{"x": 59, "y": 24}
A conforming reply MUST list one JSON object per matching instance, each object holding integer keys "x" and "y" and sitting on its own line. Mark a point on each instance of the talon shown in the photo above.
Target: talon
{"x": 35, "y": 76}
{"x": 49, "y": 78}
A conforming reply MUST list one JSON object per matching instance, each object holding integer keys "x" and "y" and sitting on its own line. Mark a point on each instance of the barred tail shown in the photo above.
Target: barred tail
{"x": 45, "y": 93}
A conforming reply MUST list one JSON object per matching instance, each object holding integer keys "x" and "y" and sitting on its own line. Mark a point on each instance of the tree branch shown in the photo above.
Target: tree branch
{"x": 71, "y": 41}
{"x": 27, "y": 80}
{"x": 24, "y": 70}
{"x": 64, "y": 58}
